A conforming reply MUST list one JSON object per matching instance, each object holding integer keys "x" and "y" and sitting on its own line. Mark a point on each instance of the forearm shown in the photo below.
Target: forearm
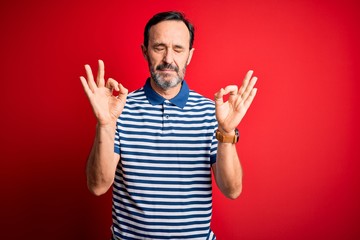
{"x": 228, "y": 171}
{"x": 101, "y": 164}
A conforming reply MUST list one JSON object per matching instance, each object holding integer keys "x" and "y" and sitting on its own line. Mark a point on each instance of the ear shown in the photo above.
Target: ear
{"x": 190, "y": 56}
{"x": 144, "y": 51}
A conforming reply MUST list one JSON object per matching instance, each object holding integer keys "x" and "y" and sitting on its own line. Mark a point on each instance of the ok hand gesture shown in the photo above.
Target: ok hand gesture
{"x": 107, "y": 107}
{"x": 230, "y": 113}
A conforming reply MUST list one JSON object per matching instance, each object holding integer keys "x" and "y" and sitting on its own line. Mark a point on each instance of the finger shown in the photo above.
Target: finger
{"x": 90, "y": 78}
{"x": 122, "y": 89}
{"x": 250, "y": 99}
{"x": 101, "y": 73}
{"x": 219, "y": 97}
{"x": 243, "y": 105}
{"x": 232, "y": 90}
{"x": 85, "y": 86}
{"x": 112, "y": 84}
{"x": 245, "y": 82}
{"x": 249, "y": 88}
{"x": 123, "y": 92}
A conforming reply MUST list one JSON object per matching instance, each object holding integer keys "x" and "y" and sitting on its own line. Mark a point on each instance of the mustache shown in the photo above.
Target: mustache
{"x": 167, "y": 67}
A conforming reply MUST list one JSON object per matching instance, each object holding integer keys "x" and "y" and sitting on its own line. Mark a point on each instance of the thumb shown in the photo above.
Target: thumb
{"x": 219, "y": 97}
{"x": 123, "y": 92}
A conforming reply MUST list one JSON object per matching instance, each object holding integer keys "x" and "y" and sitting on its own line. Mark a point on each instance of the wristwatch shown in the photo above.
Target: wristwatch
{"x": 227, "y": 139}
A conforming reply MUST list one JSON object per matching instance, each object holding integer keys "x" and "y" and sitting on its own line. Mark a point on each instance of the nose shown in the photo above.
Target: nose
{"x": 168, "y": 57}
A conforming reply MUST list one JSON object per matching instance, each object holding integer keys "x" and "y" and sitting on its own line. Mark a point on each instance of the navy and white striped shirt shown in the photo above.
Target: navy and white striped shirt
{"x": 162, "y": 188}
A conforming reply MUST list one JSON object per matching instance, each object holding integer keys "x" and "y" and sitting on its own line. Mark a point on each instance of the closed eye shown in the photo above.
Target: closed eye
{"x": 159, "y": 47}
{"x": 178, "y": 49}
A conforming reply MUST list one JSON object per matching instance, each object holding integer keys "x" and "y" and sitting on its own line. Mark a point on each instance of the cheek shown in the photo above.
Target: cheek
{"x": 181, "y": 63}
{"x": 154, "y": 61}
{"x": 182, "y": 59}
{"x": 151, "y": 62}
{"x": 154, "y": 57}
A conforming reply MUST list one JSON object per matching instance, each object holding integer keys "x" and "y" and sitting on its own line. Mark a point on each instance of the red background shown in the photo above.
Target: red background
{"x": 299, "y": 141}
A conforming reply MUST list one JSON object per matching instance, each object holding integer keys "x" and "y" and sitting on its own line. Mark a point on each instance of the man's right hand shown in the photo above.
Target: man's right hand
{"x": 107, "y": 107}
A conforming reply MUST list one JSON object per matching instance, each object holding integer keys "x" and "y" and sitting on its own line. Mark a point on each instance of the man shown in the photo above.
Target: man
{"x": 156, "y": 146}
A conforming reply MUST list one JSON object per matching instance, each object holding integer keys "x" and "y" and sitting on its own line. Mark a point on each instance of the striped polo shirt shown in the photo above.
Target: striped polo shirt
{"x": 162, "y": 187}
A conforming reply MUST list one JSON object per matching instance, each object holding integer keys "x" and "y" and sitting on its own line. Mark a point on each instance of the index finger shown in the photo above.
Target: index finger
{"x": 231, "y": 89}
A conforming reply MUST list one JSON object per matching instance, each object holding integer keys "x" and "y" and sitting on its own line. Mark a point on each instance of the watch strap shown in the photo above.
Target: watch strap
{"x": 227, "y": 139}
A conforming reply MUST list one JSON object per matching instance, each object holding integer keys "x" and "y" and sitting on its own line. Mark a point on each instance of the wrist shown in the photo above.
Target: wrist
{"x": 108, "y": 128}
{"x": 110, "y": 125}
{"x": 226, "y": 133}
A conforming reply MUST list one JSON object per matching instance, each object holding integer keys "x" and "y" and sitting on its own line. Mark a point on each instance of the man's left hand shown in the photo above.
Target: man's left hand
{"x": 230, "y": 113}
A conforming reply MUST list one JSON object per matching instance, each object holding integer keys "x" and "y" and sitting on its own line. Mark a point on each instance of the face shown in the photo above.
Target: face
{"x": 168, "y": 53}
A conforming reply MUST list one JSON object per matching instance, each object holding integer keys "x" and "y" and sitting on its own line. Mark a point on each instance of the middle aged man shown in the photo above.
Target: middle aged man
{"x": 167, "y": 139}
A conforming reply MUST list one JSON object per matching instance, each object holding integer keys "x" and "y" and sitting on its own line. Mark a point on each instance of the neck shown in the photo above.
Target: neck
{"x": 166, "y": 93}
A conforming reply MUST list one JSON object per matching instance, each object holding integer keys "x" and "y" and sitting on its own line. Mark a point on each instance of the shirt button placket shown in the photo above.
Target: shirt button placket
{"x": 167, "y": 103}
{"x": 166, "y": 115}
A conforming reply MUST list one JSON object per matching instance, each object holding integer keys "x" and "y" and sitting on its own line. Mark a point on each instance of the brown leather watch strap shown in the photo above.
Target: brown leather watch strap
{"x": 227, "y": 139}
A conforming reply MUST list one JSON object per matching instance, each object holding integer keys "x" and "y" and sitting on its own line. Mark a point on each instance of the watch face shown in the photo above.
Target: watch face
{"x": 236, "y": 135}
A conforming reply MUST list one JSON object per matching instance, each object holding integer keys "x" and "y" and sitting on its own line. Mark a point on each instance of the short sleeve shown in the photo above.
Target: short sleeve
{"x": 214, "y": 145}
{"x": 117, "y": 139}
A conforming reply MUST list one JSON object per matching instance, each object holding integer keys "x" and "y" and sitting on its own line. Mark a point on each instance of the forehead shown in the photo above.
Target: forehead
{"x": 170, "y": 32}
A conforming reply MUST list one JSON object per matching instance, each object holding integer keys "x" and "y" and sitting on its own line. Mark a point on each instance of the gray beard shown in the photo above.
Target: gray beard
{"x": 160, "y": 80}
{"x": 164, "y": 84}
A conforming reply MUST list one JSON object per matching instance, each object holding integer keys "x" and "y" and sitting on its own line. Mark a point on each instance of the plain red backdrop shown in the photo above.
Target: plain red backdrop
{"x": 299, "y": 142}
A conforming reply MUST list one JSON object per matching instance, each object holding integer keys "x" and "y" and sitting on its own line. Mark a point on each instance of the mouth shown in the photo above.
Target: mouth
{"x": 166, "y": 70}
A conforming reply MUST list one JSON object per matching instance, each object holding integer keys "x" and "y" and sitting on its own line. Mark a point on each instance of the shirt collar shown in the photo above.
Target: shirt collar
{"x": 155, "y": 99}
